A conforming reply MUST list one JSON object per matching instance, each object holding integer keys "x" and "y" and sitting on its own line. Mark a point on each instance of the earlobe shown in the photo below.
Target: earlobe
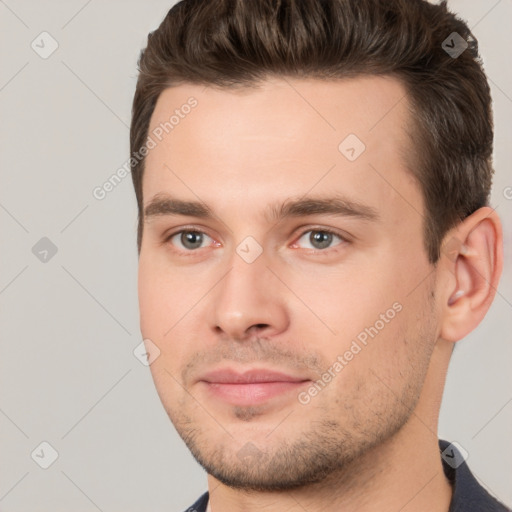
{"x": 477, "y": 267}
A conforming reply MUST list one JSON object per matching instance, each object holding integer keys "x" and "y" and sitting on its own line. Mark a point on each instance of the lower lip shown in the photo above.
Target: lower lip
{"x": 253, "y": 393}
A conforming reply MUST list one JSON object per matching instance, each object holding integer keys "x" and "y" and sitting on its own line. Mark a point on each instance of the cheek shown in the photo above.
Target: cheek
{"x": 165, "y": 303}
{"x": 352, "y": 301}
{"x": 151, "y": 295}
{"x": 162, "y": 294}
{"x": 367, "y": 312}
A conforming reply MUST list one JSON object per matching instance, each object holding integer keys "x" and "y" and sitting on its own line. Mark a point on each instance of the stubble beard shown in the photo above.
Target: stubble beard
{"x": 339, "y": 443}
{"x": 325, "y": 449}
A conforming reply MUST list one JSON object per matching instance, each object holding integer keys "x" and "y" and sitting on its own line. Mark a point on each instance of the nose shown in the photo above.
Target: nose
{"x": 250, "y": 301}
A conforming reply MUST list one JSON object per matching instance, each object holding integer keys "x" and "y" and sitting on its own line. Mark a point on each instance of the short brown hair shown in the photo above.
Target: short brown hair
{"x": 234, "y": 43}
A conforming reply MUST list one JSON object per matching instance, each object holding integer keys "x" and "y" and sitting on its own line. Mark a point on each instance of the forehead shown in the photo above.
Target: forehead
{"x": 368, "y": 106}
{"x": 285, "y": 136}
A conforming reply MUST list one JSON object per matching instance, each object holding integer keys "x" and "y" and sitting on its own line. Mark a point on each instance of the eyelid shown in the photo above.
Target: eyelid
{"x": 345, "y": 239}
{"x": 195, "y": 229}
{"x": 190, "y": 228}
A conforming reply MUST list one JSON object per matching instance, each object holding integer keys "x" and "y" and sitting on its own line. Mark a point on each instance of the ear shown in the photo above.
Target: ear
{"x": 473, "y": 253}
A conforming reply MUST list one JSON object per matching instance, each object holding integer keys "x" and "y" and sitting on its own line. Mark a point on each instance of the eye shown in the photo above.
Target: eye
{"x": 320, "y": 239}
{"x": 193, "y": 239}
{"x": 189, "y": 239}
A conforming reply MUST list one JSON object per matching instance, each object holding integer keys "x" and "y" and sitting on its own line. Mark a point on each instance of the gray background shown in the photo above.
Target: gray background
{"x": 69, "y": 325}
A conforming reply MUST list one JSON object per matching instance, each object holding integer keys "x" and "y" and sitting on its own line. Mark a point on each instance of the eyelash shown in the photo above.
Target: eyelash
{"x": 193, "y": 229}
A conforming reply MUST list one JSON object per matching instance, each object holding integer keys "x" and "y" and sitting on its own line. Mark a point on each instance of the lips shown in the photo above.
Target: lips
{"x": 251, "y": 387}
{"x": 248, "y": 377}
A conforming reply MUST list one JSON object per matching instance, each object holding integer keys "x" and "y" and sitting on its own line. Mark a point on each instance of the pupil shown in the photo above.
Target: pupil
{"x": 321, "y": 238}
{"x": 191, "y": 238}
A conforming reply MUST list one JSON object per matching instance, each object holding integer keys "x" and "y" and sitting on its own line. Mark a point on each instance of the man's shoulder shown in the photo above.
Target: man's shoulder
{"x": 468, "y": 494}
{"x": 200, "y": 505}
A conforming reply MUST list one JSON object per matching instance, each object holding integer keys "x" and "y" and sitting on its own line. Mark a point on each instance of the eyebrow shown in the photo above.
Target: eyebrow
{"x": 166, "y": 205}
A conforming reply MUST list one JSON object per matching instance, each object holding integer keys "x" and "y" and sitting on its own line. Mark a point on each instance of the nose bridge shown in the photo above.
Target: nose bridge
{"x": 248, "y": 295}
{"x": 245, "y": 283}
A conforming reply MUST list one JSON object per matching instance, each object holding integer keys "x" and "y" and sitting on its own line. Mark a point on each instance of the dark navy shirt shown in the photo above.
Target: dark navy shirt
{"x": 468, "y": 494}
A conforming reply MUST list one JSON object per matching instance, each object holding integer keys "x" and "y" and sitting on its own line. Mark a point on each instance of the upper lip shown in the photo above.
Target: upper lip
{"x": 230, "y": 376}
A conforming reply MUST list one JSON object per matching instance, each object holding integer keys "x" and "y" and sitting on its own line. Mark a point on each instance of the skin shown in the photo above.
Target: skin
{"x": 368, "y": 439}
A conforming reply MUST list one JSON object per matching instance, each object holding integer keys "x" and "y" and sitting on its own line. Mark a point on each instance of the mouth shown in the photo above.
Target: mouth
{"x": 252, "y": 387}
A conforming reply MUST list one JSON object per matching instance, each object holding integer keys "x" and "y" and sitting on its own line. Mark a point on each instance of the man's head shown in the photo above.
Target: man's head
{"x": 287, "y": 356}
{"x": 233, "y": 44}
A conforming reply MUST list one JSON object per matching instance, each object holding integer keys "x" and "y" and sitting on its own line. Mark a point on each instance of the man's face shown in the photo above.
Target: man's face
{"x": 290, "y": 345}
